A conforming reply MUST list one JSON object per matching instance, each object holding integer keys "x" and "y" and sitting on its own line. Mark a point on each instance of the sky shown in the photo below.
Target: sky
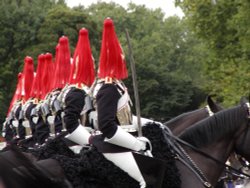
{"x": 167, "y": 6}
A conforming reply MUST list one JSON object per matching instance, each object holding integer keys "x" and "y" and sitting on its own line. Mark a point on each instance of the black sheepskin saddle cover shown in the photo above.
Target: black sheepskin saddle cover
{"x": 90, "y": 169}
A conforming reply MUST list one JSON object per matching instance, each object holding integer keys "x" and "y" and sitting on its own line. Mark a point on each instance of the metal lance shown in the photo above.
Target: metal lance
{"x": 135, "y": 86}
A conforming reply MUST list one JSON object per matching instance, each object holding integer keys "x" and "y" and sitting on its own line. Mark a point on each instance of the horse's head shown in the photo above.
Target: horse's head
{"x": 178, "y": 124}
{"x": 216, "y": 136}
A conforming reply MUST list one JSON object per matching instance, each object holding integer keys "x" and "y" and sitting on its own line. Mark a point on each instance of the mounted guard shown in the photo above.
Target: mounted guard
{"x": 113, "y": 109}
{"x": 73, "y": 96}
{"x": 10, "y": 124}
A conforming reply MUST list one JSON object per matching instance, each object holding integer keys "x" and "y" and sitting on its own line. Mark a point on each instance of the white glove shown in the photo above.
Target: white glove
{"x": 147, "y": 150}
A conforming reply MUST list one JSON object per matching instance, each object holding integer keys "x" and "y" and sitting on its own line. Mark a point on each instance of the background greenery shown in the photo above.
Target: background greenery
{"x": 178, "y": 61}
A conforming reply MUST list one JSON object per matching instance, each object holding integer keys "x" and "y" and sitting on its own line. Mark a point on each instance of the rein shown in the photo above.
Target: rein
{"x": 191, "y": 165}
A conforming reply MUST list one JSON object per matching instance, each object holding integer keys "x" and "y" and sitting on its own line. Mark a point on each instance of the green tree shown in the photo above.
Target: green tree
{"x": 60, "y": 21}
{"x": 223, "y": 26}
{"x": 20, "y": 22}
{"x": 163, "y": 50}
{"x": 32, "y": 28}
{"x": 168, "y": 70}
{"x": 169, "y": 58}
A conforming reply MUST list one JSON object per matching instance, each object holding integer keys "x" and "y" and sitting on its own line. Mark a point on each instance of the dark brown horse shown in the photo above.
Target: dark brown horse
{"x": 183, "y": 121}
{"x": 219, "y": 136}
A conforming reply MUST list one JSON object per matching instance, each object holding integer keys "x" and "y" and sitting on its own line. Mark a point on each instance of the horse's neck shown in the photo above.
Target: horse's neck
{"x": 211, "y": 169}
{"x": 180, "y": 123}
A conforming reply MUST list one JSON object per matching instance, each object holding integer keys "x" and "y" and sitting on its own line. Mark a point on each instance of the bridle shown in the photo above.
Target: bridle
{"x": 209, "y": 111}
{"x": 183, "y": 157}
{"x": 248, "y": 109}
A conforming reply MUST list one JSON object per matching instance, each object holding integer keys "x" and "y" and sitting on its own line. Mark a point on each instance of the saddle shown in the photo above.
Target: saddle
{"x": 152, "y": 169}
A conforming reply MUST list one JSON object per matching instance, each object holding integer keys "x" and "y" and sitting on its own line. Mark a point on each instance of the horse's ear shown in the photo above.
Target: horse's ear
{"x": 209, "y": 100}
{"x": 212, "y": 105}
{"x": 243, "y": 100}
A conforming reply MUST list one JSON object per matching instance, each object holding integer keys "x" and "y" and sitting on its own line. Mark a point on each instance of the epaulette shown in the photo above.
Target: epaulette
{"x": 62, "y": 96}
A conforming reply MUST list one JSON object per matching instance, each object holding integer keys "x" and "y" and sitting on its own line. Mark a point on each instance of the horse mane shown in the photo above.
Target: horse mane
{"x": 213, "y": 128}
{"x": 17, "y": 171}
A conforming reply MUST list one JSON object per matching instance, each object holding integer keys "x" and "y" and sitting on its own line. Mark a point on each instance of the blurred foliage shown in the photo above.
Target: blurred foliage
{"x": 224, "y": 27}
{"x": 172, "y": 63}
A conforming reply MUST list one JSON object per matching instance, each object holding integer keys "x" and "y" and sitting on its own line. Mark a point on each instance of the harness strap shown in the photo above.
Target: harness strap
{"x": 205, "y": 183}
{"x": 183, "y": 157}
{"x": 202, "y": 153}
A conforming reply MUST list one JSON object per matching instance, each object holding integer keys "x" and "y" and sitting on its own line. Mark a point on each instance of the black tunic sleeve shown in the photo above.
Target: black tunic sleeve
{"x": 42, "y": 130}
{"x": 21, "y": 128}
{"x": 74, "y": 103}
{"x": 107, "y": 99}
{"x": 9, "y": 134}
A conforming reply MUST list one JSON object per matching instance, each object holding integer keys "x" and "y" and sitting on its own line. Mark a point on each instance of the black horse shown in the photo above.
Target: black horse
{"x": 219, "y": 135}
{"x": 90, "y": 169}
{"x": 18, "y": 171}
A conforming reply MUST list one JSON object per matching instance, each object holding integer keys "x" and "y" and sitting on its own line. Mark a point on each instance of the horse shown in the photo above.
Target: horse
{"x": 183, "y": 121}
{"x": 52, "y": 148}
{"x": 18, "y": 171}
{"x": 90, "y": 164}
{"x": 219, "y": 136}
{"x": 91, "y": 169}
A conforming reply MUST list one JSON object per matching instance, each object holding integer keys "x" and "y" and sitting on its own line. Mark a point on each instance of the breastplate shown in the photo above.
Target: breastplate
{"x": 123, "y": 113}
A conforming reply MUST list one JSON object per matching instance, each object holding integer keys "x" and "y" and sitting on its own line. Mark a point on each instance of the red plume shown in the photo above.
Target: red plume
{"x": 63, "y": 66}
{"x": 33, "y": 92}
{"x": 112, "y": 60}
{"x": 38, "y": 82}
{"x": 82, "y": 70}
{"x": 47, "y": 74}
{"x": 28, "y": 74}
{"x": 17, "y": 94}
{"x": 55, "y": 64}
